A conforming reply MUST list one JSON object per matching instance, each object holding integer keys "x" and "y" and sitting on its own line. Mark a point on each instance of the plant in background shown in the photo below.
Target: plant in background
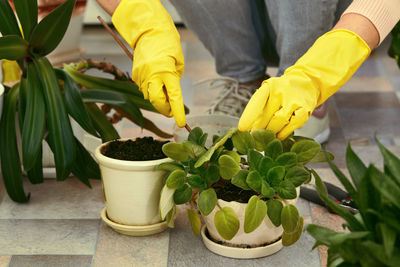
{"x": 46, "y": 98}
{"x": 374, "y": 233}
{"x": 199, "y": 176}
{"x": 394, "y": 49}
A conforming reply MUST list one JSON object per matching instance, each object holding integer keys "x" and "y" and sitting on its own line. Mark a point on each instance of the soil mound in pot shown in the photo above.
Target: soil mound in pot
{"x": 141, "y": 149}
{"x": 229, "y": 192}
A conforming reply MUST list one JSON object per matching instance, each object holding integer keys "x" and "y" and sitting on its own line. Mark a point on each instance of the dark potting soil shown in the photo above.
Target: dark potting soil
{"x": 229, "y": 192}
{"x": 145, "y": 148}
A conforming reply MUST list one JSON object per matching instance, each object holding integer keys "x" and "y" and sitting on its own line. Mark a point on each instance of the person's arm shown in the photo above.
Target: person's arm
{"x": 109, "y": 5}
{"x": 284, "y": 103}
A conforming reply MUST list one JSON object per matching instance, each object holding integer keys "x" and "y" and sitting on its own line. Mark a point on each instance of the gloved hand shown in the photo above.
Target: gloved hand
{"x": 284, "y": 104}
{"x": 158, "y": 58}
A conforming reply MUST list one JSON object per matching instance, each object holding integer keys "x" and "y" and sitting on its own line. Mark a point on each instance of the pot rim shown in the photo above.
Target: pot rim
{"x": 126, "y": 164}
{"x": 1, "y": 89}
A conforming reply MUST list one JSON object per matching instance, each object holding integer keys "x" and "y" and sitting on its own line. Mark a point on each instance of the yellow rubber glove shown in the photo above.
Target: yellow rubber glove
{"x": 284, "y": 104}
{"x": 158, "y": 58}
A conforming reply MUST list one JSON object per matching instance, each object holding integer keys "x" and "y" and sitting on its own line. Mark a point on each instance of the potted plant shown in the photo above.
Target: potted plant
{"x": 245, "y": 186}
{"x": 372, "y": 236}
{"x": 45, "y": 98}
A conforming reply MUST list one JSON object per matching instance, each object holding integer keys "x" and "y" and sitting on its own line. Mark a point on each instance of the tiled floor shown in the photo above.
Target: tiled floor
{"x": 61, "y": 225}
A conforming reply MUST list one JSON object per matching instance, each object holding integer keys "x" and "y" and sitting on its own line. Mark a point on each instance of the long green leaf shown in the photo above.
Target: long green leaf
{"x": 354, "y": 224}
{"x": 23, "y": 91}
{"x": 60, "y": 131}
{"x": 13, "y": 47}
{"x": 35, "y": 174}
{"x": 103, "y": 126}
{"x": 114, "y": 99}
{"x": 27, "y": 11}
{"x": 34, "y": 120}
{"x": 343, "y": 179}
{"x": 74, "y": 104}
{"x": 83, "y": 159}
{"x": 392, "y": 163}
{"x": 388, "y": 188}
{"x": 10, "y": 162}
{"x": 8, "y": 21}
{"x": 355, "y": 166}
{"x": 49, "y": 32}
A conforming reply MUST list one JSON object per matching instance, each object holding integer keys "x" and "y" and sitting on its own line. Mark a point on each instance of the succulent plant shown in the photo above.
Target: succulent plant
{"x": 257, "y": 162}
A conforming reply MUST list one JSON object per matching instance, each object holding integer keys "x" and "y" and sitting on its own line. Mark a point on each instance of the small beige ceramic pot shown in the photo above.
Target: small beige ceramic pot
{"x": 237, "y": 247}
{"x": 131, "y": 189}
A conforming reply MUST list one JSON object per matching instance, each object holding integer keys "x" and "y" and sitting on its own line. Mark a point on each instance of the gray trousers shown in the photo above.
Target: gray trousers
{"x": 237, "y": 32}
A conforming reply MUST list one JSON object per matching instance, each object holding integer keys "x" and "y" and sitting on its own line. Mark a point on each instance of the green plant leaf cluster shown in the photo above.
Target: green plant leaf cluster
{"x": 394, "y": 49}
{"x": 47, "y": 97}
{"x": 256, "y": 161}
{"x": 374, "y": 237}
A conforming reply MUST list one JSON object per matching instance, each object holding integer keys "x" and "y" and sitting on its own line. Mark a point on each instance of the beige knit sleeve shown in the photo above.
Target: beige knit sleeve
{"x": 384, "y": 14}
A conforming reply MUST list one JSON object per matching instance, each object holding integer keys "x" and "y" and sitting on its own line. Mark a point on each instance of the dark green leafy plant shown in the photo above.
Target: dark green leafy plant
{"x": 46, "y": 98}
{"x": 394, "y": 49}
{"x": 271, "y": 177}
{"x": 373, "y": 237}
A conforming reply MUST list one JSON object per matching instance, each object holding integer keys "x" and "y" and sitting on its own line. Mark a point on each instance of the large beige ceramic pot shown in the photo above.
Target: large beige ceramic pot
{"x": 131, "y": 188}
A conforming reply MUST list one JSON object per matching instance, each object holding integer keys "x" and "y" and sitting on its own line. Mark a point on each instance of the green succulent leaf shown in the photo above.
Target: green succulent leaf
{"x": 205, "y": 157}
{"x": 166, "y": 201}
{"x": 297, "y": 175}
{"x": 182, "y": 195}
{"x": 239, "y": 179}
{"x": 27, "y": 11}
{"x": 388, "y": 237}
{"x": 266, "y": 190}
{"x": 274, "y": 211}
{"x": 253, "y": 180}
{"x": 193, "y": 149}
{"x": 49, "y": 32}
{"x": 74, "y": 104}
{"x": 287, "y": 160}
{"x": 232, "y": 154}
{"x": 8, "y": 21}
{"x": 176, "y": 179}
{"x": 175, "y": 151}
{"x": 34, "y": 119}
{"x": 262, "y": 138}
{"x": 287, "y": 190}
{"x": 275, "y": 175}
{"x": 265, "y": 164}
{"x": 13, "y": 47}
{"x": 306, "y": 150}
{"x": 226, "y": 222}
{"x": 243, "y": 141}
{"x": 196, "y": 181}
{"x": 254, "y": 158}
{"x": 228, "y": 167}
{"x": 170, "y": 166}
{"x": 58, "y": 123}
{"x": 207, "y": 201}
{"x": 100, "y": 122}
{"x": 194, "y": 220}
{"x": 197, "y": 136}
{"x": 388, "y": 188}
{"x": 254, "y": 214}
{"x": 290, "y": 218}
{"x": 223, "y": 139}
{"x": 10, "y": 162}
{"x": 356, "y": 167}
{"x": 322, "y": 156}
{"x": 274, "y": 149}
{"x": 291, "y": 238}
{"x": 212, "y": 174}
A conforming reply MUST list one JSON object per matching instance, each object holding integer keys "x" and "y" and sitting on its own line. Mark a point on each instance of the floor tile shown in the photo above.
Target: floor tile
{"x": 48, "y": 237}
{"x": 391, "y": 66}
{"x": 4, "y": 260}
{"x": 367, "y": 100}
{"x": 199, "y": 70}
{"x": 69, "y": 199}
{"x": 367, "y": 84}
{"x": 372, "y": 66}
{"x": 187, "y": 250}
{"x": 372, "y": 154}
{"x": 195, "y": 51}
{"x": 51, "y": 260}
{"x": 114, "y": 249}
{"x": 363, "y": 123}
